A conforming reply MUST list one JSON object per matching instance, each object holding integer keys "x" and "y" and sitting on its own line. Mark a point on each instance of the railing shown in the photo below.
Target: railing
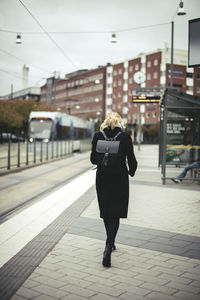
{"x": 18, "y": 154}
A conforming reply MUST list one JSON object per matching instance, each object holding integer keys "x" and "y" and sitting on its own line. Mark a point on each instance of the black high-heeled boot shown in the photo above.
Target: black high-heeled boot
{"x": 107, "y": 255}
{"x": 113, "y": 246}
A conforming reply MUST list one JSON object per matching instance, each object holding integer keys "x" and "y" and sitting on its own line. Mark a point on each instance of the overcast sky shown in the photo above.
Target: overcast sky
{"x": 84, "y": 29}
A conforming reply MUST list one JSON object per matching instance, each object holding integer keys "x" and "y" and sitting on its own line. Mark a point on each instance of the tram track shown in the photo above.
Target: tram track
{"x": 38, "y": 166}
{"x": 70, "y": 169}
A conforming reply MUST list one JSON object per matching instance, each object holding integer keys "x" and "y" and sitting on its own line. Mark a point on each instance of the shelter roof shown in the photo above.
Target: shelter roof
{"x": 181, "y": 103}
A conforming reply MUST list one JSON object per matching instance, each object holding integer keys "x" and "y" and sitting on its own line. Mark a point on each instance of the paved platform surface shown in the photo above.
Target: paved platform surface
{"x": 158, "y": 246}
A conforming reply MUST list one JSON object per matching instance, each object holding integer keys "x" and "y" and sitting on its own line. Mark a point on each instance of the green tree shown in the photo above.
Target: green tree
{"x": 14, "y": 114}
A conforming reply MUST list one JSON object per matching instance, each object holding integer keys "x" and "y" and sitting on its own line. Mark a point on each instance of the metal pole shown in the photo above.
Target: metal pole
{"x": 160, "y": 138}
{"x": 172, "y": 55}
{"x": 26, "y": 152}
{"x": 11, "y": 94}
{"x": 61, "y": 150}
{"x": 52, "y": 145}
{"x": 41, "y": 151}
{"x": 132, "y": 129}
{"x": 47, "y": 150}
{"x": 164, "y": 144}
{"x": 80, "y": 149}
{"x": 139, "y": 128}
{"x": 18, "y": 154}
{"x": 8, "y": 167}
{"x": 34, "y": 159}
{"x": 56, "y": 149}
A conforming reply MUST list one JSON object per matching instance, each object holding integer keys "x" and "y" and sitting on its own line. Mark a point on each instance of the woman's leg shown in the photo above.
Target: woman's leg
{"x": 112, "y": 226}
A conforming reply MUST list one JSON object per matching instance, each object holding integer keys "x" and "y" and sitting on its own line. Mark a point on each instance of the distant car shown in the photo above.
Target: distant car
{"x": 6, "y": 136}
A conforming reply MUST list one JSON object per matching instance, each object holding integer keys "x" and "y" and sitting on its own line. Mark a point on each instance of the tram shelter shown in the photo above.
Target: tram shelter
{"x": 179, "y": 132}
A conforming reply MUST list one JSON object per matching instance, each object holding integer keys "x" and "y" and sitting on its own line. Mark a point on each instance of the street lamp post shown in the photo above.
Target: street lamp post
{"x": 139, "y": 78}
{"x": 172, "y": 55}
{"x": 180, "y": 12}
{"x": 141, "y": 111}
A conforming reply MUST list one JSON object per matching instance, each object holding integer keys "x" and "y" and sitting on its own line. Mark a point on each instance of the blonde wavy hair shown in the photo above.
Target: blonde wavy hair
{"x": 112, "y": 120}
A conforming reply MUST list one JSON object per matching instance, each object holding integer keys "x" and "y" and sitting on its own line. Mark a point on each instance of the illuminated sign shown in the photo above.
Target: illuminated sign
{"x": 146, "y": 99}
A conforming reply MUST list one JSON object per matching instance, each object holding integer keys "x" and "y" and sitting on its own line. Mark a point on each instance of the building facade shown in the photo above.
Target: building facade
{"x": 94, "y": 93}
{"x": 156, "y": 68}
{"x": 81, "y": 93}
{"x": 31, "y": 93}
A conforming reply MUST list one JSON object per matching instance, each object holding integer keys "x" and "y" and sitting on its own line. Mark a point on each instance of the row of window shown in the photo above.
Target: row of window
{"x": 119, "y": 83}
{"x": 88, "y": 109}
{"x": 198, "y": 89}
{"x": 155, "y": 75}
{"x": 190, "y": 75}
{"x": 136, "y": 68}
{"x": 149, "y": 77}
{"x": 119, "y": 95}
{"x": 80, "y": 82}
{"x": 147, "y": 116}
{"x": 130, "y": 104}
{"x": 117, "y": 72}
{"x": 61, "y": 87}
{"x": 130, "y": 81}
{"x": 77, "y": 83}
{"x": 152, "y": 63}
{"x": 93, "y": 99}
{"x": 85, "y": 89}
{"x": 116, "y": 106}
{"x": 131, "y": 69}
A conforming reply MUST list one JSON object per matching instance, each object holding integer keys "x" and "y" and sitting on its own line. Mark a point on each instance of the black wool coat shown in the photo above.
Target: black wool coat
{"x": 113, "y": 187}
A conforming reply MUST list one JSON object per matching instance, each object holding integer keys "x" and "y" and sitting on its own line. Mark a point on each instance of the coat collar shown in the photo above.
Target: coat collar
{"x": 111, "y": 133}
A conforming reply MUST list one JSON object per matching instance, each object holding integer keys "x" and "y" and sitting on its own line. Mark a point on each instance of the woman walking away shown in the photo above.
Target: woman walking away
{"x": 112, "y": 183}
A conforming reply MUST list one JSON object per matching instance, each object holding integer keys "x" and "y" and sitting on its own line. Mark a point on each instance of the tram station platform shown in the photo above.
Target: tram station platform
{"x": 52, "y": 239}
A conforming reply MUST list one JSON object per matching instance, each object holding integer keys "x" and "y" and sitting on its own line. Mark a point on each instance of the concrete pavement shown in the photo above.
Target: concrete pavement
{"x": 158, "y": 246}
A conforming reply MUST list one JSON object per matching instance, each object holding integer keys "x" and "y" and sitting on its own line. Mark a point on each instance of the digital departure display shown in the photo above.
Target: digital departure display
{"x": 146, "y": 99}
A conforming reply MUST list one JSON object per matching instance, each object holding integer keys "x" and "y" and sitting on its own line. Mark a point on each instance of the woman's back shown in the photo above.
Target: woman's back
{"x": 125, "y": 149}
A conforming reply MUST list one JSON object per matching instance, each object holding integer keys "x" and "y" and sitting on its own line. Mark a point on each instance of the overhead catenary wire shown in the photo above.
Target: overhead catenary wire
{"x": 49, "y": 36}
{"x": 19, "y": 59}
{"x": 86, "y": 32}
{"x": 13, "y": 74}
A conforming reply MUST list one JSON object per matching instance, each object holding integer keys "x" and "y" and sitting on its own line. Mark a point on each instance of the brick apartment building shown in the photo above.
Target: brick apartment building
{"x": 81, "y": 93}
{"x": 156, "y": 68}
{"x": 93, "y": 93}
